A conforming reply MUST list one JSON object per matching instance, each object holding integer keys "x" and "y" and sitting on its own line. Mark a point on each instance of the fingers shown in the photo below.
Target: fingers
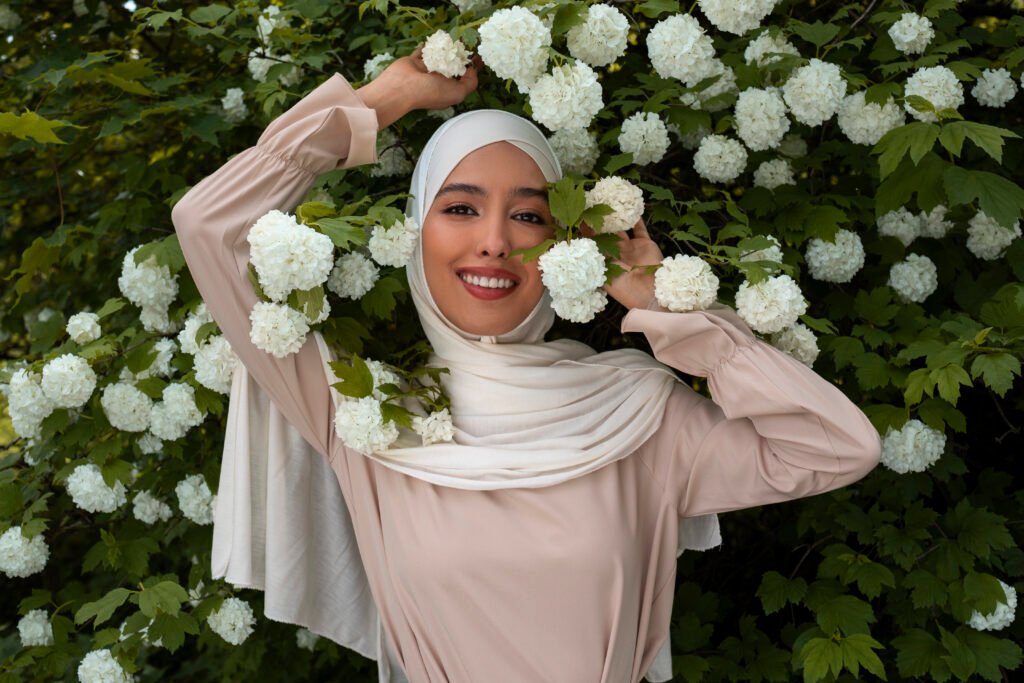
{"x": 640, "y": 229}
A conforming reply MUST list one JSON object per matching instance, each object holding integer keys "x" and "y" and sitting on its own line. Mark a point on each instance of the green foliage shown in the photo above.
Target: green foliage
{"x": 110, "y": 116}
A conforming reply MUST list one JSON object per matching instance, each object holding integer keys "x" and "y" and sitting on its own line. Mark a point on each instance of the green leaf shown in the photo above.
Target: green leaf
{"x": 567, "y": 200}
{"x": 171, "y": 629}
{"x": 209, "y": 14}
{"x": 11, "y": 500}
{"x": 999, "y": 197}
{"x": 817, "y": 34}
{"x": 165, "y": 597}
{"x": 254, "y": 280}
{"x": 991, "y": 653}
{"x": 845, "y": 612}
{"x": 380, "y": 301}
{"x": 141, "y": 357}
{"x": 949, "y": 379}
{"x": 776, "y": 591}
{"x": 533, "y": 252}
{"x": 989, "y": 138}
{"x": 915, "y": 138}
{"x": 997, "y": 370}
{"x": 567, "y": 16}
{"x": 859, "y": 650}
{"x": 103, "y": 608}
{"x": 343, "y": 233}
{"x": 821, "y": 656}
{"x": 111, "y": 306}
{"x": 310, "y": 302}
{"x": 355, "y": 380}
{"x": 655, "y": 8}
{"x": 397, "y": 414}
{"x": 32, "y": 126}
{"x": 916, "y": 652}
{"x": 960, "y": 660}
{"x": 926, "y": 589}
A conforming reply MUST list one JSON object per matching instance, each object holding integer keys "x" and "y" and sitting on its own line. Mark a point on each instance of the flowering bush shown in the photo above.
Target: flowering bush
{"x": 845, "y": 175}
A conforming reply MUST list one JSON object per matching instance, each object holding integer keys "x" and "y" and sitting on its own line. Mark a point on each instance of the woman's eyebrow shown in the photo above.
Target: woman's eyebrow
{"x": 469, "y": 188}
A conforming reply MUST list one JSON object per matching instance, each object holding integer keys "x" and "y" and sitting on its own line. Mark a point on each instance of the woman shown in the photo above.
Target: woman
{"x": 542, "y": 545}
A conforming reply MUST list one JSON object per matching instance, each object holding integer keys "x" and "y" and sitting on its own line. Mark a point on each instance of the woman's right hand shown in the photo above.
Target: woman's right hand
{"x": 406, "y": 85}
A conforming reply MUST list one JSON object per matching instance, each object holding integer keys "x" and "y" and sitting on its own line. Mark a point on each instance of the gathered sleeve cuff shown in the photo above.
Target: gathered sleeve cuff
{"x": 329, "y": 128}
{"x": 775, "y": 429}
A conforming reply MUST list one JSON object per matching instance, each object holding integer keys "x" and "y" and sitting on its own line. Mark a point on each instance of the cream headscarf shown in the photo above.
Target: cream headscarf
{"x": 527, "y": 413}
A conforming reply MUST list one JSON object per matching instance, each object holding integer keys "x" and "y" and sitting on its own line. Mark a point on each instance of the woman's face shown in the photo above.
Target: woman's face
{"x": 491, "y": 204}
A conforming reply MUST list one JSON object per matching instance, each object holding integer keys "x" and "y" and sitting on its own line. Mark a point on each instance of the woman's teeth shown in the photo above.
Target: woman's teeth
{"x": 492, "y": 282}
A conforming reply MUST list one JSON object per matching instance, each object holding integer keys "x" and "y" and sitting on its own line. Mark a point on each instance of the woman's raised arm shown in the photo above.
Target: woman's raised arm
{"x": 775, "y": 431}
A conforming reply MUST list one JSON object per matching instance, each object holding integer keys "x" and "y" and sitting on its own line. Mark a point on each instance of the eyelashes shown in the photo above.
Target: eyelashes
{"x": 456, "y": 209}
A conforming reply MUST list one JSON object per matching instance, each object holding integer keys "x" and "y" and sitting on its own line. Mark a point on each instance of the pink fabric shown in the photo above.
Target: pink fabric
{"x": 568, "y": 583}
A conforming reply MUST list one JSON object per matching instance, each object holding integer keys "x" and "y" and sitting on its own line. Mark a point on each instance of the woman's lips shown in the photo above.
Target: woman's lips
{"x": 488, "y": 283}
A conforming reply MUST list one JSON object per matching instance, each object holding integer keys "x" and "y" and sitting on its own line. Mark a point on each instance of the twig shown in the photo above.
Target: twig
{"x": 866, "y": 12}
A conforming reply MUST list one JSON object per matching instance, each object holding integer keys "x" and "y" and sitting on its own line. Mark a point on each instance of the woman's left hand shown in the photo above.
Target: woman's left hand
{"x": 635, "y": 287}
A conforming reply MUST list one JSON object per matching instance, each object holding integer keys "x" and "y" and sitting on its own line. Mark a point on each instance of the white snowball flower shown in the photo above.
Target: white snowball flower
{"x": 571, "y": 269}
{"x": 999, "y": 618}
{"x": 582, "y": 308}
{"x": 625, "y": 199}
{"x": 645, "y": 135}
{"x": 601, "y": 38}
{"x": 761, "y": 119}
{"x": 269, "y": 19}
{"x": 567, "y": 97}
{"x": 914, "y": 279}
{"x": 987, "y": 239}
{"x": 156, "y": 320}
{"x": 149, "y": 509}
{"x": 394, "y": 246}
{"x": 382, "y": 375}
{"x": 20, "y": 556}
{"x": 679, "y": 48}
{"x": 576, "y": 150}
{"x": 939, "y": 86}
{"x": 259, "y": 63}
{"x": 445, "y": 56}
{"x": 912, "y": 33}
{"x": 215, "y": 363}
{"x": 233, "y": 621}
{"x": 306, "y": 639}
{"x": 278, "y": 329}
{"x": 35, "y": 629}
{"x": 814, "y": 92}
{"x": 900, "y": 224}
{"x": 692, "y": 139}
{"x": 865, "y": 123}
{"x": 9, "y": 20}
{"x": 195, "y": 320}
{"x": 99, "y": 666}
{"x": 287, "y": 255}
{"x": 933, "y": 223}
{"x": 836, "y": 261}
{"x": 771, "y": 305}
{"x": 91, "y": 493}
{"x": 126, "y": 408}
{"x": 913, "y": 448}
{"x": 391, "y": 157}
{"x": 793, "y": 146}
{"x": 994, "y": 88}
{"x": 798, "y": 341}
{"x": 736, "y": 16}
{"x": 766, "y": 49}
{"x": 375, "y": 65}
{"x": 84, "y": 327}
{"x": 177, "y": 413}
{"x": 719, "y": 159}
{"x": 161, "y": 363}
{"x": 27, "y": 403}
{"x": 702, "y": 99}
{"x": 68, "y": 381}
{"x": 685, "y": 283}
{"x": 147, "y": 285}
{"x": 774, "y": 173}
{"x": 514, "y": 44}
{"x": 150, "y": 444}
{"x": 435, "y": 427}
{"x": 353, "y": 276}
{"x": 772, "y": 253}
{"x": 472, "y": 5}
{"x": 195, "y": 499}
{"x": 233, "y": 104}
{"x": 360, "y": 426}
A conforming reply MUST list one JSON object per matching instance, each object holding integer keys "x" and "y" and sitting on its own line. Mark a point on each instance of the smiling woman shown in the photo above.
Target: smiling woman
{"x": 492, "y": 204}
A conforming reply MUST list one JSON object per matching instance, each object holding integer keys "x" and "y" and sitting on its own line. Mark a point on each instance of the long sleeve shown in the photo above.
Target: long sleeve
{"x": 329, "y": 128}
{"x": 774, "y": 431}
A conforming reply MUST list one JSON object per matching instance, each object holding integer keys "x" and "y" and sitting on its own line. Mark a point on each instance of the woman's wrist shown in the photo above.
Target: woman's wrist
{"x": 386, "y": 99}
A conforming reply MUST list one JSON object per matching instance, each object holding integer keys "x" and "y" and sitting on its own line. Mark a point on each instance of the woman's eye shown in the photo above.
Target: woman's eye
{"x": 534, "y": 218}
{"x": 458, "y": 209}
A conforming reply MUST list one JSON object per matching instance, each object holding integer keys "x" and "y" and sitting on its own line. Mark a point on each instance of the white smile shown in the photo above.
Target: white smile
{"x": 490, "y": 282}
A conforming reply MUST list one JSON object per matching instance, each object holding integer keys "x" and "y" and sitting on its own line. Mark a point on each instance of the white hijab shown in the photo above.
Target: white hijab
{"x": 527, "y": 413}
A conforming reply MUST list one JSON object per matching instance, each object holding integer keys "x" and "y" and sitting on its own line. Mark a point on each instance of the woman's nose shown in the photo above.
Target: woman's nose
{"x": 494, "y": 239}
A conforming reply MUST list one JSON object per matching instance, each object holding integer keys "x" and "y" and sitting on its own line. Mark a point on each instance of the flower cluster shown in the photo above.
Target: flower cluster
{"x": 865, "y": 123}
{"x": 391, "y": 157}
{"x": 27, "y": 404}
{"x": 761, "y": 120}
{"x": 576, "y": 150}
{"x": 567, "y": 97}
{"x": 514, "y": 44}
{"x": 353, "y": 276}
{"x": 901, "y": 224}
{"x": 288, "y": 256}
{"x": 939, "y": 86}
{"x": 625, "y": 199}
{"x": 913, "y": 448}
{"x": 912, "y": 33}
{"x": 685, "y": 283}
{"x": 798, "y": 341}
{"x": 35, "y": 629}
{"x": 99, "y": 666}
{"x": 394, "y": 246}
{"x": 707, "y": 98}
{"x": 233, "y": 621}
{"x": 173, "y": 416}
{"x": 233, "y": 104}
{"x": 736, "y": 16}
{"x": 719, "y": 159}
{"x": 772, "y": 253}
{"x": 20, "y": 556}
{"x": 215, "y": 364}
{"x": 774, "y": 173}
{"x": 645, "y": 136}
{"x": 91, "y": 493}
{"x": 814, "y": 92}
{"x": 126, "y": 407}
{"x": 915, "y": 278}
{"x": 994, "y": 88}
{"x": 361, "y": 426}
{"x": 837, "y": 261}
{"x": 772, "y": 304}
{"x": 435, "y": 427}
{"x": 375, "y": 65}
{"x": 679, "y": 48}
{"x": 573, "y": 273}
{"x": 195, "y": 499}
{"x": 987, "y": 239}
{"x": 999, "y": 618}
{"x": 601, "y": 38}
{"x": 151, "y": 287}
{"x": 68, "y": 381}
{"x": 149, "y": 509}
{"x": 306, "y": 639}
{"x": 445, "y": 56}
{"x": 84, "y": 327}
{"x": 767, "y": 49}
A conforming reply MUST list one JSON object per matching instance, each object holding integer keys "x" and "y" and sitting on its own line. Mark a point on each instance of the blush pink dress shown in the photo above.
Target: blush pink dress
{"x": 572, "y": 583}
